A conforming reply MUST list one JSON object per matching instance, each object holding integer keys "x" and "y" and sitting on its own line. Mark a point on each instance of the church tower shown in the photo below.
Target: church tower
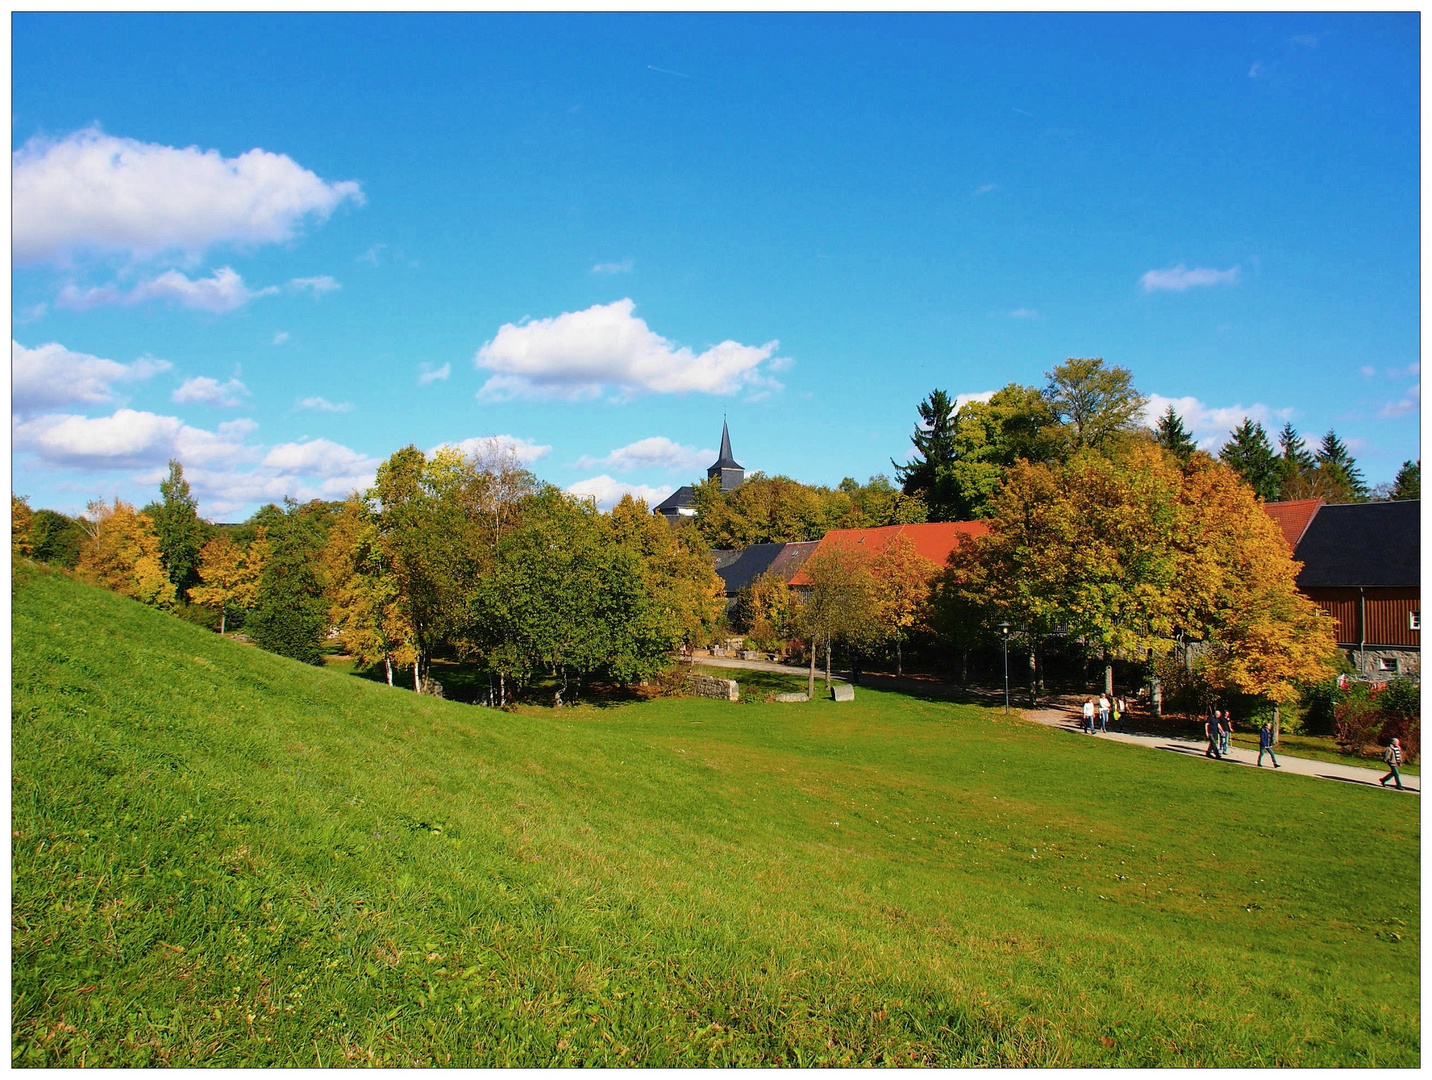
{"x": 725, "y": 467}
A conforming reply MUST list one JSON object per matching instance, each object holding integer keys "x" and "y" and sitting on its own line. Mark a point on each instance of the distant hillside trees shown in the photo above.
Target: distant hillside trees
{"x": 45, "y": 535}
{"x": 777, "y": 509}
{"x": 229, "y": 575}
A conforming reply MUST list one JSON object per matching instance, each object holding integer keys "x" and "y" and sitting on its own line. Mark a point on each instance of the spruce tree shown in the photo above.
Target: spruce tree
{"x": 1344, "y": 478}
{"x": 1173, "y": 437}
{"x": 934, "y": 439}
{"x": 1294, "y": 461}
{"x": 1248, "y": 453}
{"x": 1408, "y": 483}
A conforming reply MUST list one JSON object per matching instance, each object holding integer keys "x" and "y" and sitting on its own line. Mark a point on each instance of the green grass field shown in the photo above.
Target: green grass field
{"x": 222, "y": 857}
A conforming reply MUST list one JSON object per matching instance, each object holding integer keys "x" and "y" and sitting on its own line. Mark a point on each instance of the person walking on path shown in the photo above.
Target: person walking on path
{"x": 1227, "y": 731}
{"x": 1103, "y": 714}
{"x": 1393, "y": 757}
{"x": 1212, "y": 728}
{"x": 1087, "y": 724}
{"x": 1118, "y": 706}
{"x": 1265, "y": 744}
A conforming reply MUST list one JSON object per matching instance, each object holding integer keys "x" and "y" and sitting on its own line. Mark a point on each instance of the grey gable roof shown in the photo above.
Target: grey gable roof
{"x": 741, "y": 567}
{"x": 682, "y": 496}
{"x": 1368, "y": 544}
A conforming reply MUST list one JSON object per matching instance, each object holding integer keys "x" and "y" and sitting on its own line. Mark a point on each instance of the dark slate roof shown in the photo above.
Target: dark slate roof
{"x": 1369, "y": 544}
{"x": 793, "y": 557}
{"x": 740, "y": 567}
{"x": 682, "y": 496}
{"x": 725, "y": 461}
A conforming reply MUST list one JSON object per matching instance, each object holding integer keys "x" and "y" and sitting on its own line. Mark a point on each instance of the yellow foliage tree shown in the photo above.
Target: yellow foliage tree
{"x": 677, "y": 570}
{"x": 21, "y": 518}
{"x": 122, "y": 554}
{"x": 364, "y": 594}
{"x": 903, "y": 580}
{"x": 230, "y": 575}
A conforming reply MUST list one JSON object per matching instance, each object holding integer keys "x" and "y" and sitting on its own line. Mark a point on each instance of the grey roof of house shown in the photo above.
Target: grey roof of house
{"x": 741, "y": 566}
{"x": 1369, "y": 544}
{"x": 682, "y": 496}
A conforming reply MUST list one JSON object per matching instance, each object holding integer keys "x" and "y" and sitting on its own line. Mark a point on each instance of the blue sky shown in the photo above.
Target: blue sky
{"x": 280, "y": 247}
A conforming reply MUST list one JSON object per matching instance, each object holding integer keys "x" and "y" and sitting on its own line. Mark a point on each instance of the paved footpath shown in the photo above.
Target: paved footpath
{"x": 1067, "y": 717}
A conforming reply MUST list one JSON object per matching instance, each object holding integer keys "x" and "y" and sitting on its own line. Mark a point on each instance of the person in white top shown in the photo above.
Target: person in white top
{"x": 1088, "y": 724}
{"x": 1103, "y": 714}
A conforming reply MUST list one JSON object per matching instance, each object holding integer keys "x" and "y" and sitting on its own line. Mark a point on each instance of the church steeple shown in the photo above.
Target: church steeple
{"x": 725, "y": 467}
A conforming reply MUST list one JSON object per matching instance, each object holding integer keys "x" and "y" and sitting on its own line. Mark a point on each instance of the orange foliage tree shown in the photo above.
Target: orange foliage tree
{"x": 122, "y": 554}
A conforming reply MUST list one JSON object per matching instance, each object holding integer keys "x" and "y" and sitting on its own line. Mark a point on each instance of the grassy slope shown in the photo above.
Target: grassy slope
{"x": 224, "y": 857}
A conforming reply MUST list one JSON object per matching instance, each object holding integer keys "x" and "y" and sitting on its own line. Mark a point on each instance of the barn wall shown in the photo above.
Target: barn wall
{"x": 1387, "y": 614}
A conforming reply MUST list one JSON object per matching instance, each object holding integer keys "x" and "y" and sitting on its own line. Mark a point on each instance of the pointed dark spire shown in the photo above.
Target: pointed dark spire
{"x": 731, "y": 474}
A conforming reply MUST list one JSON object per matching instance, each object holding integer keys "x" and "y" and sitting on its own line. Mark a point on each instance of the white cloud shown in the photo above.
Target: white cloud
{"x": 578, "y": 354}
{"x": 609, "y": 492}
{"x": 128, "y": 439}
{"x": 1411, "y": 401}
{"x": 92, "y": 192}
{"x": 51, "y": 376}
{"x": 372, "y": 254}
{"x": 280, "y": 337}
{"x": 435, "y": 375}
{"x": 1210, "y": 426}
{"x": 319, "y": 404}
{"x": 202, "y": 390}
{"x": 223, "y": 292}
{"x": 1367, "y": 371}
{"x": 962, "y": 399}
{"x": 318, "y": 457}
{"x": 498, "y": 446}
{"x": 985, "y": 189}
{"x": 1307, "y": 41}
{"x": 1258, "y": 70}
{"x": 657, "y": 452}
{"x": 1180, "y": 278}
{"x": 316, "y": 285}
{"x": 1024, "y": 313}
{"x": 609, "y": 268}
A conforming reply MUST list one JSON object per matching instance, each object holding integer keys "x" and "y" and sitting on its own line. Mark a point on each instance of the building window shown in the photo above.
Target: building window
{"x": 1387, "y": 663}
{"x": 1414, "y": 620}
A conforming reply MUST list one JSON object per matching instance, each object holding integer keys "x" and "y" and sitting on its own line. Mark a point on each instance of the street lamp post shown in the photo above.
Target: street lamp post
{"x": 1004, "y": 637}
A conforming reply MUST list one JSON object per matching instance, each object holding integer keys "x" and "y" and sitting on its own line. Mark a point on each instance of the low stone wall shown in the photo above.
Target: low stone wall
{"x": 707, "y": 686}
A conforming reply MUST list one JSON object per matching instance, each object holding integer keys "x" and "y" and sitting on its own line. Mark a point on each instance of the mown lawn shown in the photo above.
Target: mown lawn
{"x": 226, "y": 858}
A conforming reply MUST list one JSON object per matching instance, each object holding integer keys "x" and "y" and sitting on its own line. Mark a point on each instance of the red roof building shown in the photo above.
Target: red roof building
{"x": 1293, "y": 517}
{"x": 933, "y": 540}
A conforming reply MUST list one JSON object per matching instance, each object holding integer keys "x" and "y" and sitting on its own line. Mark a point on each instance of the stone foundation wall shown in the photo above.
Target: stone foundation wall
{"x": 1369, "y": 662}
{"x": 707, "y": 686}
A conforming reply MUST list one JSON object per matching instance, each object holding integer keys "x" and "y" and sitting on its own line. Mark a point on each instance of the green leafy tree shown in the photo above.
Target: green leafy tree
{"x": 839, "y": 604}
{"x": 1248, "y": 454}
{"x": 290, "y": 614}
{"x": 22, "y": 519}
{"x": 55, "y": 538}
{"x": 363, "y": 594}
{"x": 181, "y": 533}
{"x": 676, "y": 565}
{"x": 1173, "y": 437}
{"x": 1096, "y": 403}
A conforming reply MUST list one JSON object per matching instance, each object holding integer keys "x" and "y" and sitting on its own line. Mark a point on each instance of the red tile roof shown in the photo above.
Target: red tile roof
{"x": 933, "y": 541}
{"x": 1293, "y": 517}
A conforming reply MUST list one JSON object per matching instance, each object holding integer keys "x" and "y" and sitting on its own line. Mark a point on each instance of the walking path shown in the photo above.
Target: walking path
{"x": 1069, "y": 719}
{"x": 1065, "y": 715}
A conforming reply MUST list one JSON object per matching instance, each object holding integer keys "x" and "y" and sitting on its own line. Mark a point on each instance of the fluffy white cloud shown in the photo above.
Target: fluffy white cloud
{"x": 51, "y": 376}
{"x": 435, "y": 375}
{"x": 319, "y": 457}
{"x": 319, "y": 404}
{"x": 579, "y": 354}
{"x": 280, "y": 337}
{"x": 202, "y": 390}
{"x": 92, "y": 192}
{"x": 1024, "y": 313}
{"x": 1410, "y": 402}
{"x": 657, "y": 452}
{"x": 316, "y": 285}
{"x": 128, "y": 439}
{"x": 962, "y": 399}
{"x": 222, "y": 292}
{"x": 1209, "y": 425}
{"x": 486, "y": 447}
{"x": 1179, "y": 278}
{"x": 609, "y": 492}
{"x": 608, "y": 268}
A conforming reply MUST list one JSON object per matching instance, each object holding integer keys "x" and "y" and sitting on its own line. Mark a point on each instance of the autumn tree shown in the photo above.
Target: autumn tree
{"x": 363, "y": 594}
{"x": 1097, "y": 403}
{"x": 902, "y": 582}
{"x": 22, "y": 518}
{"x": 229, "y": 575}
{"x": 676, "y": 566}
{"x": 122, "y": 554}
{"x": 838, "y": 603}
{"x": 764, "y": 610}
